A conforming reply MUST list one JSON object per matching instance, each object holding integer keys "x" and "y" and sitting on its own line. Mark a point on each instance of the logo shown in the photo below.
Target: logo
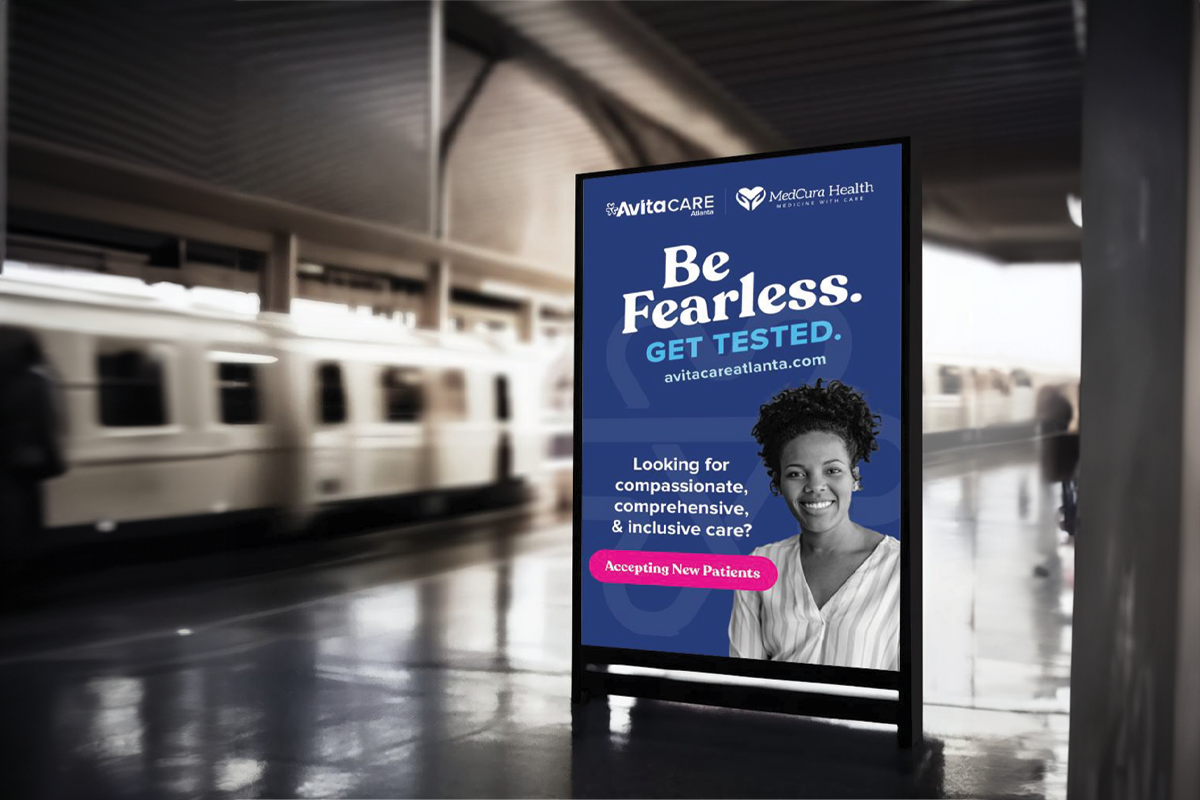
{"x": 751, "y": 199}
{"x": 698, "y": 206}
{"x": 833, "y": 194}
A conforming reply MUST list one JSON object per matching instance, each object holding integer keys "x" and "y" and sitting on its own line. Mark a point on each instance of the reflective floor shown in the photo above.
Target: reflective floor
{"x": 437, "y": 664}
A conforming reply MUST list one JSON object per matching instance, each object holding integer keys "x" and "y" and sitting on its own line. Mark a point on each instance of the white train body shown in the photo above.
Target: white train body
{"x": 964, "y": 395}
{"x": 261, "y": 413}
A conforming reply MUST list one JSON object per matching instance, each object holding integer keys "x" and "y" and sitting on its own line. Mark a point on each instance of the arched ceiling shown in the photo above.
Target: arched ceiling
{"x": 991, "y": 92}
{"x": 324, "y": 105}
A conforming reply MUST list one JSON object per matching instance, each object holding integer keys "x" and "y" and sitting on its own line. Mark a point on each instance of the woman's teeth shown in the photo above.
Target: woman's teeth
{"x": 818, "y": 506}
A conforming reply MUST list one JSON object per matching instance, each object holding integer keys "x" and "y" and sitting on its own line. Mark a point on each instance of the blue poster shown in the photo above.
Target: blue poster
{"x": 740, "y": 385}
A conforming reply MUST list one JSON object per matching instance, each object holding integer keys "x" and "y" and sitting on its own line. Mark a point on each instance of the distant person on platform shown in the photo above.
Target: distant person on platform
{"x": 837, "y": 599}
{"x": 1054, "y": 415}
{"x": 29, "y": 444}
{"x": 1060, "y": 453}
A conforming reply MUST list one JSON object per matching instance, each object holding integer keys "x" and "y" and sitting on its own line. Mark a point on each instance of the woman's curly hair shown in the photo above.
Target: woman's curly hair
{"x": 834, "y": 408}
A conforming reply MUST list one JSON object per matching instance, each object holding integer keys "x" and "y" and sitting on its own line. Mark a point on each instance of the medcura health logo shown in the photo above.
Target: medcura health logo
{"x": 696, "y": 206}
{"x": 750, "y": 199}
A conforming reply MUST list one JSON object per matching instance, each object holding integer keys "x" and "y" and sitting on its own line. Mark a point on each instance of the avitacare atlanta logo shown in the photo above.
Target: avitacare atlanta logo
{"x": 751, "y": 199}
{"x": 697, "y": 206}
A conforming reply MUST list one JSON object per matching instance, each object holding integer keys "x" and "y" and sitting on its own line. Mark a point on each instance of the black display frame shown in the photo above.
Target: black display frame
{"x": 589, "y": 663}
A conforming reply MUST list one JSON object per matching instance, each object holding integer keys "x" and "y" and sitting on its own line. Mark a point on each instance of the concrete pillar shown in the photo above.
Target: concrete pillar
{"x": 3, "y": 132}
{"x": 277, "y": 282}
{"x": 529, "y": 322}
{"x": 1135, "y": 682}
{"x": 436, "y": 308}
{"x": 435, "y": 161}
{"x": 436, "y": 314}
{"x": 1187, "y": 673}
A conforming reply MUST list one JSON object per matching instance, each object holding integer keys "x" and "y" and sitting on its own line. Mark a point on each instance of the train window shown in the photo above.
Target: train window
{"x": 403, "y": 394}
{"x": 238, "y": 388}
{"x": 1021, "y": 378}
{"x": 951, "y": 380}
{"x": 131, "y": 389}
{"x": 502, "y": 406}
{"x": 331, "y": 394}
{"x": 454, "y": 394}
{"x": 562, "y": 445}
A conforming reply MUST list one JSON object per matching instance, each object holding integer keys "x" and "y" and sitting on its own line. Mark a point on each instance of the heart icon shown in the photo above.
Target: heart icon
{"x": 751, "y": 199}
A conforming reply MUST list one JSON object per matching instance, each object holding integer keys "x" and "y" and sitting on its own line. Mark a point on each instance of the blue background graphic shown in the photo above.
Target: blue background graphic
{"x": 630, "y": 412}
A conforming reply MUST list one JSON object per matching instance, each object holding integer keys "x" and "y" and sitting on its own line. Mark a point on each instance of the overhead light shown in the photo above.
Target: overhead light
{"x": 227, "y": 357}
{"x": 1075, "y": 209}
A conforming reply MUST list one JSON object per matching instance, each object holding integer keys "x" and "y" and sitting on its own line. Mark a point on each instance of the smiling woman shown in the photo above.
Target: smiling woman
{"x": 837, "y": 599}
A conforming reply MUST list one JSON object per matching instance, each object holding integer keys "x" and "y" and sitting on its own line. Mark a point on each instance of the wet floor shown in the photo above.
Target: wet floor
{"x": 436, "y": 663}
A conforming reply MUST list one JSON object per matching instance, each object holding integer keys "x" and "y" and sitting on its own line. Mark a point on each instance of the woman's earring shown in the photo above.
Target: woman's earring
{"x": 857, "y": 484}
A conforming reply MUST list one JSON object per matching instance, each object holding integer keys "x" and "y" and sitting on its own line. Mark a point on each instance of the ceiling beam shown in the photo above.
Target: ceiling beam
{"x": 617, "y": 53}
{"x": 70, "y": 182}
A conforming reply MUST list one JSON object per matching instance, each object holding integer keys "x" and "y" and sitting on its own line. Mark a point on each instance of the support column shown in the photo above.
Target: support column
{"x": 1135, "y": 683}
{"x": 437, "y": 33}
{"x": 1187, "y": 673}
{"x": 3, "y": 132}
{"x": 529, "y": 326}
{"x": 436, "y": 312}
{"x": 277, "y": 282}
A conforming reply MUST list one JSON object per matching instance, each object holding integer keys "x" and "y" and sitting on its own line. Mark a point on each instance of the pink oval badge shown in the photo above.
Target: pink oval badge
{"x": 696, "y": 570}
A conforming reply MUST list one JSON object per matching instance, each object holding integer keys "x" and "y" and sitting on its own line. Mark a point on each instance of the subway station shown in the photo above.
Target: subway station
{"x": 295, "y": 372}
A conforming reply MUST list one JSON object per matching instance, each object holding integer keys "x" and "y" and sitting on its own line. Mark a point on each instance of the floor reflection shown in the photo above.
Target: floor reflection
{"x": 446, "y": 673}
{"x": 997, "y": 586}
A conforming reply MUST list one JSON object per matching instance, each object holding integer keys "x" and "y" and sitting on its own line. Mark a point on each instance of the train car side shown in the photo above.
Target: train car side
{"x": 177, "y": 419}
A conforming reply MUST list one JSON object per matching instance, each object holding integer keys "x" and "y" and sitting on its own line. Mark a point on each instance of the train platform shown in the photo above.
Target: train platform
{"x": 435, "y": 661}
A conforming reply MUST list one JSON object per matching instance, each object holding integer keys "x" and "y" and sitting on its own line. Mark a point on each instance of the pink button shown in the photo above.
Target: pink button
{"x": 700, "y": 570}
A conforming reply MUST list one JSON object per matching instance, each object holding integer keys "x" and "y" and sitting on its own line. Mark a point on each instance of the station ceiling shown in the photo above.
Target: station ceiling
{"x": 991, "y": 92}
{"x": 323, "y": 108}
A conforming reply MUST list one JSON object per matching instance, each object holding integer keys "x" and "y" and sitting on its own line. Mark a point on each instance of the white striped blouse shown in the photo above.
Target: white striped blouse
{"x": 859, "y": 625}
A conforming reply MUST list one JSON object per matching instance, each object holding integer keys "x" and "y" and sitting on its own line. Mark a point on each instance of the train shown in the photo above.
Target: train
{"x": 968, "y": 401}
{"x": 179, "y": 416}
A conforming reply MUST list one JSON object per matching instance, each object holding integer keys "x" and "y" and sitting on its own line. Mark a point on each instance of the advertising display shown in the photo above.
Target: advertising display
{"x": 745, "y": 424}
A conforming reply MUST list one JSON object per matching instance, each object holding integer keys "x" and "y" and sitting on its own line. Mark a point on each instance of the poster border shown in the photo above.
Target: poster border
{"x": 589, "y": 675}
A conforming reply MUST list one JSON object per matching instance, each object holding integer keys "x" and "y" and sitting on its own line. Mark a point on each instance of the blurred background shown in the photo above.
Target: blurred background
{"x": 302, "y": 272}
